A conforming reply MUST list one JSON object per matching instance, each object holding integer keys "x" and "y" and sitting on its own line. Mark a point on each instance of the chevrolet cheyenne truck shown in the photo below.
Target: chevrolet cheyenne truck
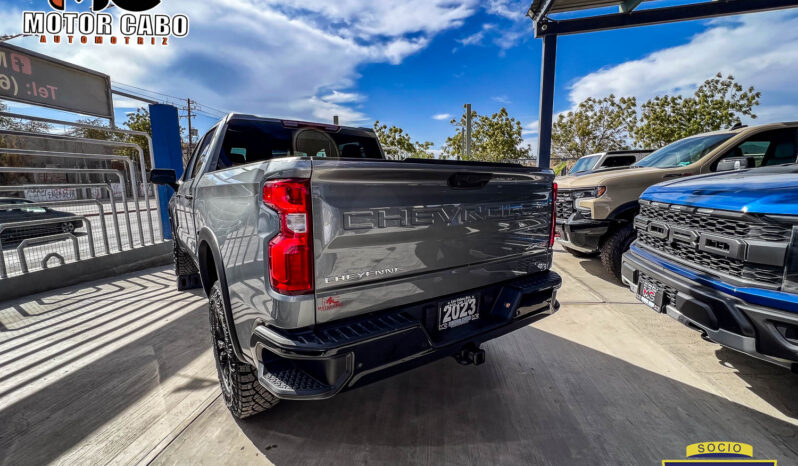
{"x": 719, "y": 253}
{"x": 327, "y": 266}
{"x": 595, "y": 211}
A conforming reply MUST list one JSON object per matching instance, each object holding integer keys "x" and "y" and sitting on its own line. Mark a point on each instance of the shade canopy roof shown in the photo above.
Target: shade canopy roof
{"x": 561, "y": 6}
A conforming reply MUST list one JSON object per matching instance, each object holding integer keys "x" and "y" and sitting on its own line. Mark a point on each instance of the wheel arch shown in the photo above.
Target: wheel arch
{"x": 625, "y": 212}
{"x": 211, "y": 269}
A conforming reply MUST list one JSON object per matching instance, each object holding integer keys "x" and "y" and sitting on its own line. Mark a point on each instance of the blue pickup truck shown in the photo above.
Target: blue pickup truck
{"x": 719, "y": 253}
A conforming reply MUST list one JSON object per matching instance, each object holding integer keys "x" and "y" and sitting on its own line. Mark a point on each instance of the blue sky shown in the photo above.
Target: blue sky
{"x": 410, "y": 62}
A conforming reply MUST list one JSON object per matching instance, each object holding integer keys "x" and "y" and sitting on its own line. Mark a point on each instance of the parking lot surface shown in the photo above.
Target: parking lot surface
{"x": 121, "y": 371}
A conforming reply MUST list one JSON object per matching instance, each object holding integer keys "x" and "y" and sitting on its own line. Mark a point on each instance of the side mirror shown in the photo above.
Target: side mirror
{"x": 564, "y": 171}
{"x": 733, "y": 163}
{"x": 164, "y": 176}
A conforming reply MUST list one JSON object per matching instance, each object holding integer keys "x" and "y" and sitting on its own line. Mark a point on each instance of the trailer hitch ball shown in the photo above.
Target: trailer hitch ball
{"x": 470, "y": 354}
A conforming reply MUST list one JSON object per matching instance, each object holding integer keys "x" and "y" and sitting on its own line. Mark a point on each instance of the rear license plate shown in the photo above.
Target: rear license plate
{"x": 457, "y": 312}
{"x": 650, "y": 295}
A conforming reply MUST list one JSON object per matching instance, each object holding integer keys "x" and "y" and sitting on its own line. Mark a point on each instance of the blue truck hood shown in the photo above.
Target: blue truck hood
{"x": 767, "y": 190}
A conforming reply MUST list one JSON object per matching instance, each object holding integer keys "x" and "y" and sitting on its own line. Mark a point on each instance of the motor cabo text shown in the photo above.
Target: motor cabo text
{"x": 99, "y": 28}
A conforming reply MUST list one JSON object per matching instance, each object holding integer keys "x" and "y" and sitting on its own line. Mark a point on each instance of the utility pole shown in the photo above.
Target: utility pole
{"x": 190, "y": 137}
{"x": 468, "y": 132}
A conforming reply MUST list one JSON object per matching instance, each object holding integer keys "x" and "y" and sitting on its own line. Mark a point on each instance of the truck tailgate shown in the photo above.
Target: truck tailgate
{"x": 392, "y": 233}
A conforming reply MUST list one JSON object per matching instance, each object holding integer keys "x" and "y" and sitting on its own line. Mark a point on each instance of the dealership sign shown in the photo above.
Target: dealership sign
{"x": 135, "y": 27}
{"x": 32, "y": 78}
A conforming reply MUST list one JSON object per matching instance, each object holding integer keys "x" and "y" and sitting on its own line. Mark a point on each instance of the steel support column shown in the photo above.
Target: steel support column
{"x": 547, "y": 68}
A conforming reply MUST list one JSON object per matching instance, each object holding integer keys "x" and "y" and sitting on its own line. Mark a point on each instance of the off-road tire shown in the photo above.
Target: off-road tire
{"x": 185, "y": 269}
{"x": 576, "y": 253}
{"x": 242, "y": 393}
{"x": 613, "y": 248}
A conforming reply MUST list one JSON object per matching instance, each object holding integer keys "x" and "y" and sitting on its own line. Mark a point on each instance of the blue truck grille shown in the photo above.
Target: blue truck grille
{"x": 743, "y": 228}
{"x": 713, "y": 262}
{"x": 678, "y": 232}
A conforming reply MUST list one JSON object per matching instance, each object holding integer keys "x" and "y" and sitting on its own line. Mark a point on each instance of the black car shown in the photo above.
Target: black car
{"x": 24, "y": 213}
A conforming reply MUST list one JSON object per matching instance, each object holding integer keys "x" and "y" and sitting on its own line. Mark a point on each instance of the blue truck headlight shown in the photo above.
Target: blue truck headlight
{"x": 791, "y": 270}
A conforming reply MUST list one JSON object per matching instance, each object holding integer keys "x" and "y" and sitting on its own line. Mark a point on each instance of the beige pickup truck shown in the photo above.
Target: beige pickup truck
{"x": 595, "y": 211}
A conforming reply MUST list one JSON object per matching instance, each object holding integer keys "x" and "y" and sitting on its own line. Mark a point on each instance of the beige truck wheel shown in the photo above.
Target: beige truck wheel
{"x": 613, "y": 249}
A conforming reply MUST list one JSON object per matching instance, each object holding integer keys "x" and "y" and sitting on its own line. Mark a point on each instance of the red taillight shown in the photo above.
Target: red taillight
{"x": 553, "y": 213}
{"x": 291, "y": 251}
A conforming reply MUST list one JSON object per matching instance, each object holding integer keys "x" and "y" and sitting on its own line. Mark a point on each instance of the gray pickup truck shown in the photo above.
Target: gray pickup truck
{"x": 328, "y": 266}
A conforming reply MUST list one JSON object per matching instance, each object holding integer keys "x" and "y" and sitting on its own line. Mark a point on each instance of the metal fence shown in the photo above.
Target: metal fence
{"x": 67, "y": 198}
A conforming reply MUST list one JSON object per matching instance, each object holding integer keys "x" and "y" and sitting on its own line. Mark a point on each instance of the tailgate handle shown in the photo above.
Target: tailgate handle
{"x": 469, "y": 180}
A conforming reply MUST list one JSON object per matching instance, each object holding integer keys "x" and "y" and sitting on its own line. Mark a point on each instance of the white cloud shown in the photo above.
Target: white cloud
{"x": 288, "y": 58}
{"x": 758, "y": 49}
{"x": 769, "y": 113}
{"x": 337, "y": 97}
{"x": 122, "y": 102}
{"x": 510, "y": 9}
{"x": 514, "y": 28}
{"x": 502, "y": 99}
{"x": 376, "y": 18}
{"x": 442, "y": 116}
{"x": 476, "y": 38}
{"x": 530, "y": 128}
{"x": 473, "y": 39}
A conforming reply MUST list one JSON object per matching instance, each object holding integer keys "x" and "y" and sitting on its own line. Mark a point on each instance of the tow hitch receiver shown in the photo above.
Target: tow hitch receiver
{"x": 470, "y": 354}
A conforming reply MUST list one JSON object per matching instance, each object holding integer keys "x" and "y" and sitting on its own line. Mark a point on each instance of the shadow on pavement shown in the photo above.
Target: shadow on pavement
{"x": 45, "y": 424}
{"x": 776, "y": 385}
{"x": 594, "y": 267}
{"x": 538, "y": 399}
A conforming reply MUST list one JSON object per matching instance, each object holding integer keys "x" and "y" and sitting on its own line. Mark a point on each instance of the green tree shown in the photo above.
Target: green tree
{"x": 597, "y": 125}
{"x": 136, "y": 121}
{"x": 139, "y": 121}
{"x": 494, "y": 138}
{"x": 93, "y": 133}
{"x": 397, "y": 144}
{"x": 11, "y": 141}
{"x": 16, "y": 124}
{"x": 717, "y": 103}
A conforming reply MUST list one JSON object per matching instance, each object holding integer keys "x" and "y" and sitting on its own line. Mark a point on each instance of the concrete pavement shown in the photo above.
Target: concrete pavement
{"x": 121, "y": 371}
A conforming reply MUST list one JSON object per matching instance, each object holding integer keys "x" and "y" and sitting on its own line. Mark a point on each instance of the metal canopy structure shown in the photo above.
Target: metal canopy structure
{"x": 628, "y": 15}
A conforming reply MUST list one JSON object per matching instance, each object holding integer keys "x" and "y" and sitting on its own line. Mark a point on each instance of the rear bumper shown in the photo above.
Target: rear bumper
{"x": 764, "y": 332}
{"x": 320, "y": 362}
{"x": 584, "y": 234}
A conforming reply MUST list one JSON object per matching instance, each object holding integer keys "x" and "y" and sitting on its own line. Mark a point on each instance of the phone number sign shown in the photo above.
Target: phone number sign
{"x": 36, "y": 79}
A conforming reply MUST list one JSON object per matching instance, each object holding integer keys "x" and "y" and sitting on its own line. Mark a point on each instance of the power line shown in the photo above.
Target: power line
{"x": 223, "y": 112}
{"x": 181, "y": 99}
{"x": 7, "y": 37}
{"x": 191, "y": 107}
{"x": 147, "y": 90}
